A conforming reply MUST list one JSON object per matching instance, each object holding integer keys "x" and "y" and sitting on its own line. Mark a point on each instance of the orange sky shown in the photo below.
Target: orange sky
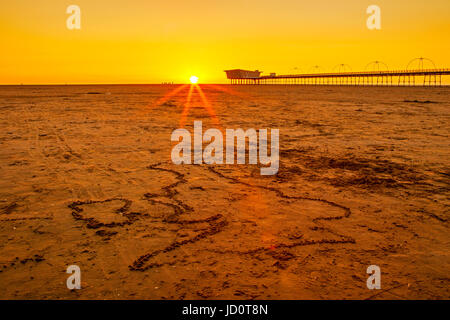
{"x": 143, "y": 41}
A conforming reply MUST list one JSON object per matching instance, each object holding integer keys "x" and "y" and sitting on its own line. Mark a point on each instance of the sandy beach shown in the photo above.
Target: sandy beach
{"x": 87, "y": 180}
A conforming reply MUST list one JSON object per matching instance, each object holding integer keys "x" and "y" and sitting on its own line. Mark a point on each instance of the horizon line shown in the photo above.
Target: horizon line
{"x": 217, "y": 83}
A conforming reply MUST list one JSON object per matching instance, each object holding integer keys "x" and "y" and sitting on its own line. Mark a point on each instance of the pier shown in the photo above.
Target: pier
{"x": 407, "y": 77}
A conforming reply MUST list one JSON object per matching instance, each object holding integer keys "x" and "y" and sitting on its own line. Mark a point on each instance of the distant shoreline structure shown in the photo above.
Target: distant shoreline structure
{"x": 429, "y": 77}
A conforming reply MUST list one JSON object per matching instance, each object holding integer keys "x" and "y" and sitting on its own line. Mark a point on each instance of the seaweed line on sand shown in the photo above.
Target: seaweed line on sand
{"x": 217, "y": 222}
{"x": 93, "y": 223}
{"x": 304, "y": 242}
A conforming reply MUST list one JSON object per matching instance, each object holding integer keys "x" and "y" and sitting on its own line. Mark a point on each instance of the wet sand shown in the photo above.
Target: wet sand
{"x": 87, "y": 180}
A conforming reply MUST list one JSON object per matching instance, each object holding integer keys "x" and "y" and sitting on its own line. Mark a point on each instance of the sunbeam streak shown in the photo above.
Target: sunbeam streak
{"x": 147, "y": 109}
{"x": 207, "y": 104}
{"x": 170, "y": 94}
{"x": 187, "y": 106}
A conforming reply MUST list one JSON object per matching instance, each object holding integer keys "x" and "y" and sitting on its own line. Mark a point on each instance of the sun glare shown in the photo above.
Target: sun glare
{"x": 193, "y": 79}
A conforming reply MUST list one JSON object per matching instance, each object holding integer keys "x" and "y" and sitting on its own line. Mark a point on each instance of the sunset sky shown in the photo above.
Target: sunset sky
{"x": 153, "y": 41}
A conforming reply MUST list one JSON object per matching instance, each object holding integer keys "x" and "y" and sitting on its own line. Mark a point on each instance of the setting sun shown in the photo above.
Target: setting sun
{"x": 193, "y": 79}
